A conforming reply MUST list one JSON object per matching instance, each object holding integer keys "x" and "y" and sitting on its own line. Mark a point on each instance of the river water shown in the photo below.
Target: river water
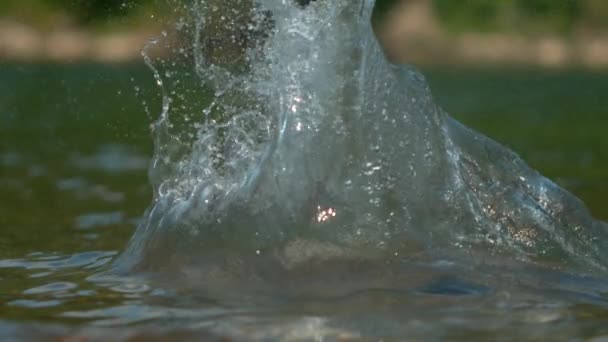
{"x": 75, "y": 148}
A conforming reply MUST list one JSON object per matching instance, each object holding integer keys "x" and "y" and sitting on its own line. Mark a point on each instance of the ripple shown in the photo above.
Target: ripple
{"x": 35, "y": 304}
{"x": 41, "y": 274}
{"x": 449, "y": 286}
{"x": 132, "y": 288}
{"x": 133, "y": 313}
{"x": 52, "y": 287}
{"x": 56, "y": 262}
{"x": 94, "y": 220}
{"x": 112, "y": 158}
{"x": 83, "y": 189}
{"x": 11, "y": 158}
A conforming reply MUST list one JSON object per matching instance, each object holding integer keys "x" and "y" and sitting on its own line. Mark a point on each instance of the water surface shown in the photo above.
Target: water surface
{"x": 74, "y": 149}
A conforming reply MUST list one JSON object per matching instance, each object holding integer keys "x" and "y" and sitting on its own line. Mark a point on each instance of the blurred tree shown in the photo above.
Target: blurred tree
{"x": 594, "y": 14}
{"x": 529, "y": 15}
{"x": 457, "y": 15}
{"x": 87, "y": 11}
{"x": 80, "y": 11}
{"x": 554, "y": 15}
{"x": 469, "y": 14}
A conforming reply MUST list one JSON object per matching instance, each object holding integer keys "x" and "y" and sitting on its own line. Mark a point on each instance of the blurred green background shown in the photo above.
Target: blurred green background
{"x": 530, "y": 15}
{"x": 458, "y": 15}
{"x": 546, "y": 32}
{"x": 88, "y": 13}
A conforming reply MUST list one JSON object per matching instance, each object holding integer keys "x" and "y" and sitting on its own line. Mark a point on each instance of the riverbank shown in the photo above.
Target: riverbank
{"x": 23, "y": 43}
{"x": 411, "y": 33}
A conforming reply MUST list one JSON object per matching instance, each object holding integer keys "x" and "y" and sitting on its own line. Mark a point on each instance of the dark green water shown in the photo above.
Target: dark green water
{"x": 75, "y": 144}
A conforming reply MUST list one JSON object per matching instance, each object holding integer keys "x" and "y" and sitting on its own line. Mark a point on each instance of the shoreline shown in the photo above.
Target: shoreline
{"x": 411, "y": 34}
{"x": 22, "y": 43}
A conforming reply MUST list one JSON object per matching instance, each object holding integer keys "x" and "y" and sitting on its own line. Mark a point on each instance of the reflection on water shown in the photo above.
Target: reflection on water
{"x": 418, "y": 297}
{"x": 435, "y": 300}
{"x": 112, "y": 158}
{"x": 57, "y": 262}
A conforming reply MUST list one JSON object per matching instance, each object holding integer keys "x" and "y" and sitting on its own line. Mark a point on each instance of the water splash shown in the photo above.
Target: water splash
{"x": 296, "y": 140}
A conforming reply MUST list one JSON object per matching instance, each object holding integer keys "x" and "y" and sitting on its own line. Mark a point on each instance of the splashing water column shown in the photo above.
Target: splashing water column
{"x": 316, "y": 140}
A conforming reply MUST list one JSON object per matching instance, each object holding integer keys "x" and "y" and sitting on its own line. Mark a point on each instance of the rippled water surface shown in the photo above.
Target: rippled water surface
{"x": 75, "y": 145}
{"x": 74, "y": 185}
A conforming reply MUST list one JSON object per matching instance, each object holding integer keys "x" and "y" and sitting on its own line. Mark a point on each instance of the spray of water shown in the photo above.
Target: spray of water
{"x": 286, "y": 134}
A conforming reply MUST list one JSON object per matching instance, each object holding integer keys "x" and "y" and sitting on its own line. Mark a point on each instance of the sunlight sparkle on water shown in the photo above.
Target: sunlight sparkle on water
{"x": 324, "y": 215}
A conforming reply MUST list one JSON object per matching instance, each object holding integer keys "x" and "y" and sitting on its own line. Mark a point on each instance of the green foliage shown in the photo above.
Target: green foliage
{"x": 462, "y": 15}
{"x": 595, "y": 14}
{"x": 93, "y": 10}
{"x": 84, "y": 12}
{"x": 558, "y": 15}
{"x": 382, "y": 7}
{"x": 456, "y": 15}
{"x": 494, "y": 15}
{"x": 29, "y": 11}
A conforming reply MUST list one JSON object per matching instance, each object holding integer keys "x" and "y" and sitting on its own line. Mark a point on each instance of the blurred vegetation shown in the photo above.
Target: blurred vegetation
{"x": 554, "y": 16}
{"x": 84, "y": 13}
